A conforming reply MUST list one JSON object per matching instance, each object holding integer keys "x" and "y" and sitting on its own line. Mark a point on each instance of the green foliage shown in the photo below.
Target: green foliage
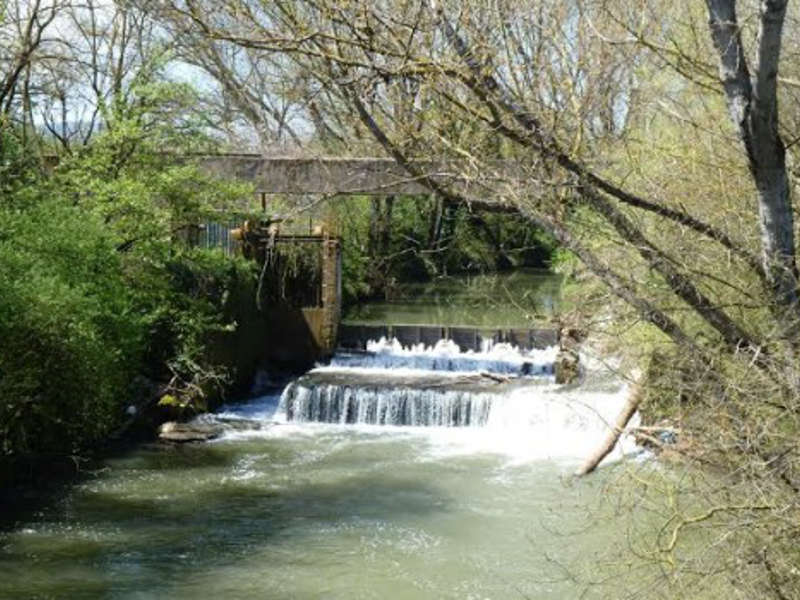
{"x": 419, "y": 238}
{"x": 18, "y": 166}
{"x": 184, "y": 304}
{"x": 98, "y": 288}
{"x": 71, "y": 335}
{"x": 355, "y": 271}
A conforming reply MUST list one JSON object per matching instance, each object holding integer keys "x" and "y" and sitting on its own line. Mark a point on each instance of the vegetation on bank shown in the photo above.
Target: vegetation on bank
{"x": 102, "y": 303}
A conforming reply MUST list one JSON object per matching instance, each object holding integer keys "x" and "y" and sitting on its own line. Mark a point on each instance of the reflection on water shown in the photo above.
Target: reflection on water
{"x": 519, "y": 298}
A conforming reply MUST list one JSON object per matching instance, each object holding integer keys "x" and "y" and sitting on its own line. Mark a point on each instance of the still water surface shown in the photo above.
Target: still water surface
{"x": 519, "y": 298}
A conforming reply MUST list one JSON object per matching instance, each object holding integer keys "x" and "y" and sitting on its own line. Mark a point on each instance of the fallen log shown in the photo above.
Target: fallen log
{"x": 628, "y": 410}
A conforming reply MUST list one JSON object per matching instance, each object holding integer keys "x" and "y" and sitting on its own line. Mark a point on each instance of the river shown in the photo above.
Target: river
{"x": 398, "y": 474}
{"x": 517, "y": 298}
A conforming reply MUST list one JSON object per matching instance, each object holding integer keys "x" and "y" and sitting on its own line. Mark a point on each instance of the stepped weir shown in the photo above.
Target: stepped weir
{"x": 441, "y": 385}
{"x": 356, "y": 336}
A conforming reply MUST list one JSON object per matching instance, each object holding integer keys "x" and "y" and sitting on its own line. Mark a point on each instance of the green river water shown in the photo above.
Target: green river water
{"x": 519, "y": 298}
{"x": 312, "y": 512}
{"x": 333, "y": 511}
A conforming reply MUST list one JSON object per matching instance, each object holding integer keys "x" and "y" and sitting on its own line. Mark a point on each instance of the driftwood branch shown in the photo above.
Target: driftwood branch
{"x": 610, "y": 441}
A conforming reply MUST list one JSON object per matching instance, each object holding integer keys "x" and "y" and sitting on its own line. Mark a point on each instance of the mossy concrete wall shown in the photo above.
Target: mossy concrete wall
{"x": 280, "y": 337}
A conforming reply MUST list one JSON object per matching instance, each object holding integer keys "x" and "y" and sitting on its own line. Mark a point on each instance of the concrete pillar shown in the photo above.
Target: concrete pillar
{"x": 331, "y": 293}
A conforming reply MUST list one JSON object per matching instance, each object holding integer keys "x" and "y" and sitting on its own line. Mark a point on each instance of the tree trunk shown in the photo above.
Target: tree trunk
{"x": 610, "y": 441}
{"x": 386, "y": 227}
{"x": 379, "y": 241}
{"x": 753, "y": 108}
{"x": 435, "y": 229}
{"x": 777, "y": 234}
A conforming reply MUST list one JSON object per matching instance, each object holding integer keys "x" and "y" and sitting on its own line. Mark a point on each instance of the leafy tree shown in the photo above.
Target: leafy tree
{"x": 99, "y": 287}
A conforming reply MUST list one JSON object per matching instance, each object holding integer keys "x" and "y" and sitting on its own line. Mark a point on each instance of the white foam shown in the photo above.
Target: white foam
{"x": 545, "y": 425}
{"x": 446, "y": 356}
{"x": 535, "y": 421}
{"x": 263, "y": 408}
{"x": 367, "y": 404}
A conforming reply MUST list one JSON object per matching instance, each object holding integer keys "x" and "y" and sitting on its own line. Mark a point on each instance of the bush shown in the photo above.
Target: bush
{"x": 71, "y": 338}
{"x": 95, "y": 291}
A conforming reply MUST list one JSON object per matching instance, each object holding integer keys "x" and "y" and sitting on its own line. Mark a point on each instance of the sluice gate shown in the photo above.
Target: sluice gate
{"x": 299, "y": 290}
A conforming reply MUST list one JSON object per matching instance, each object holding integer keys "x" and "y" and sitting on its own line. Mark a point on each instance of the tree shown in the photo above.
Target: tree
{"x": 753, "y": 107}
{"x": 100, "y": 307}
{"x": 23, "y": 36}
{"x": 252, "y": 95}
{"x": 382, "y": 54}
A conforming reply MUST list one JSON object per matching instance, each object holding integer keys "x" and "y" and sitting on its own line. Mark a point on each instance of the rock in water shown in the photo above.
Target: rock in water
{"x": 189, "y": 432}
{"x": 567, "y": 366}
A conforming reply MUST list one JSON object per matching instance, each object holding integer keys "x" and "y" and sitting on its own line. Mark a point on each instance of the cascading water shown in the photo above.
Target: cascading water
{"x": 389, "y": 384}
{"x": 333, "y": 403}
{"x": 446, "y": 356}
{"x": 502, "y": 399}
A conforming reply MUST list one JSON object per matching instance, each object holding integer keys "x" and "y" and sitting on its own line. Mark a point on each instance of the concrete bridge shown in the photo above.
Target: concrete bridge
{"x": 489, "y": 183}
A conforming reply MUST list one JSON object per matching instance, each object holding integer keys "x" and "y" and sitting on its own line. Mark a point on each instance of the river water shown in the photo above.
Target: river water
{"x": 518, "y": 298}
{"x": 400, "y": 473}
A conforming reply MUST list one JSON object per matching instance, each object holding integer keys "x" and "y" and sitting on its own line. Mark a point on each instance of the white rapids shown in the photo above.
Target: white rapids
{"x": 460, "y": 402}
{"x": 445, "y": 355}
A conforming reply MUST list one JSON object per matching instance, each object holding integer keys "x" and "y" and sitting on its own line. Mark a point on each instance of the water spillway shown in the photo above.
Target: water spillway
{"x": 445, "y": 355}
{"x": 389, "y": 384}
{"x": 500, "y": 399}
{"x": 355, "y": 336}
{"x": 305, "y": 401}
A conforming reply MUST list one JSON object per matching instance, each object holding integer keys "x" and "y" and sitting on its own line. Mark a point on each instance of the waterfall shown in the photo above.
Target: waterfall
{"x": 438, "y": 386}
{"x": 304, "y": 401}
{"x": 495, "y": 407}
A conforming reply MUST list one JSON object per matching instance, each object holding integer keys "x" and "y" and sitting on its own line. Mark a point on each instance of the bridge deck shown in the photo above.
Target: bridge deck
{"x": 368, "y": 176}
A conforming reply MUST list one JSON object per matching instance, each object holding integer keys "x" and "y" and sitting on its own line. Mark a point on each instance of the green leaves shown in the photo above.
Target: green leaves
{"x": 97, "y": 286}
{"x": 71, "y": 340}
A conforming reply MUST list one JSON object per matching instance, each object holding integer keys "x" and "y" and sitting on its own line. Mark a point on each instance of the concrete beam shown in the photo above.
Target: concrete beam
{"x": 327, "y": 175}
